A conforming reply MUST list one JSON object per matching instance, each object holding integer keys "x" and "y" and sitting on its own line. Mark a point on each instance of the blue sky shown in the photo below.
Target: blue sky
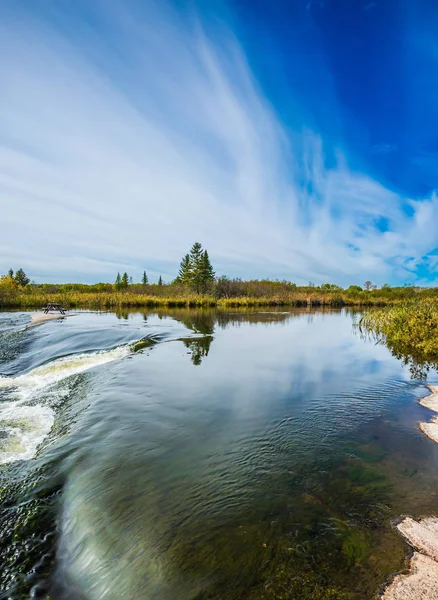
{"x": 294, "y": 140}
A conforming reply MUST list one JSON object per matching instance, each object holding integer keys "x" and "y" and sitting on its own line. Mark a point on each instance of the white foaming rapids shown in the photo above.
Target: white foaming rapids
{"x": 24, "y": 427}
{"x": 60, "y": 369}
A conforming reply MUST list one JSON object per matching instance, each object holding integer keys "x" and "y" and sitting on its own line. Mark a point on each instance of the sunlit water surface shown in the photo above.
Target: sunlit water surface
{"x": 228, "y": 455}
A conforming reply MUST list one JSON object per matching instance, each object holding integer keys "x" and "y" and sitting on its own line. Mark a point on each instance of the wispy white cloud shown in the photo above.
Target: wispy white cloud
{"x": 122, "y": 145}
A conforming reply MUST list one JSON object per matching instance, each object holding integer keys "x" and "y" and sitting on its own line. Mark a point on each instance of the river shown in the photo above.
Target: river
{"x": 205, "y": 454}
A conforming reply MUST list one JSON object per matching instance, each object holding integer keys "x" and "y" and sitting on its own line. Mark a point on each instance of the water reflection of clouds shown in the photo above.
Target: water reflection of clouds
{"x": 172, "y": 451}
{"x": 297, "y": 364}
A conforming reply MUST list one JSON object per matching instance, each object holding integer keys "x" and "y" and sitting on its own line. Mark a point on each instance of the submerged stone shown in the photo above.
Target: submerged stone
{"x": 421, "y": 583}
{"x": 422, "y": 534}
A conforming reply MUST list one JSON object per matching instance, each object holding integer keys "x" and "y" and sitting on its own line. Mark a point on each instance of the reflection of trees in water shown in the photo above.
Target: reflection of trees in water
{"x": 418, "y": 366}
{"x": 204, "y": 321}
{"x": 199, "y": 348}
{"x": 123, "y": 313}
{"x": 199, "y": 321}
{"x": 240, "y": 317}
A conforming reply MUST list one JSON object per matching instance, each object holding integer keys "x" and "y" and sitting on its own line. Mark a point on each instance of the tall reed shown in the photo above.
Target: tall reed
{"x": 410, "y": 330}
{"x": 37, "y": 298}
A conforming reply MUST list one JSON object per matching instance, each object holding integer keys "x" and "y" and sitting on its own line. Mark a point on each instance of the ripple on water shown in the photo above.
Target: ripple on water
{"x": 220, "y": 481}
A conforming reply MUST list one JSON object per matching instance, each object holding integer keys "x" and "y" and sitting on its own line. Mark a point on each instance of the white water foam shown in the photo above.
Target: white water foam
{"x": 59, "y": 369}
{"x": 24, "y": 428}
{"x": 23, "y": 424}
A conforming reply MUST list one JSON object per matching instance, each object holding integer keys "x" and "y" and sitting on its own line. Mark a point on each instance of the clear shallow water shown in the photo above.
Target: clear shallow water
{"x": 230, "y": 455}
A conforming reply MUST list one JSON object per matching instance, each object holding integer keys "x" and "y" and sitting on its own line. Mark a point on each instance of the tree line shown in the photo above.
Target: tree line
{"x": 19, "y": 278}
{"x": 195, "y": 273}
{"x": 122, "y": 282}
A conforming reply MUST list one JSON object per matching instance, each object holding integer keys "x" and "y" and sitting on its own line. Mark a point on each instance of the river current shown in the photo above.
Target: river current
{"x": 204, "y": 454}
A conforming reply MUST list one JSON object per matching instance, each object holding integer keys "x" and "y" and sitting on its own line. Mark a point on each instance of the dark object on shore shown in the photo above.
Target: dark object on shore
{"x": 54, "y": 306}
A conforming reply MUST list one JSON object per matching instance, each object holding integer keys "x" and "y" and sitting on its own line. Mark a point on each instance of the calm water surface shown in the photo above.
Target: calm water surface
{"x": 225, "y": 456}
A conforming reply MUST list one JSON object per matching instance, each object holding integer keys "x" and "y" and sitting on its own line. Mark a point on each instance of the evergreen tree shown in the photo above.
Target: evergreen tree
{"x": 21, "y": 278}
{"x": 125, "y": 280}
{"x": 131, "y": 281}
{"x": 118, "y": 283}
{"x": 11, "y": 273}
{"x": 145, "y": 278}
{"x": 208, "y": 275}
{"x": 196, "y": 270}
{"x": 160, "y": 281}
{"x": 184, "y": 270}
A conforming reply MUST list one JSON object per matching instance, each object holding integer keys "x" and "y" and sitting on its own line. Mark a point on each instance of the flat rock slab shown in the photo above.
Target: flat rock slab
{"x": 42, "y": 318}
{"x": 421, "y": 583}
{"x": 431, "y": 401}
{"x": 422, "y": 534}
{"x": 430, "y": 429}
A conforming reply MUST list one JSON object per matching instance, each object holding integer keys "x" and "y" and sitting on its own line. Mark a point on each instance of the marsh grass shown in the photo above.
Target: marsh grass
{"x": 409, "y": 330}
{"x": 36, "y": 297}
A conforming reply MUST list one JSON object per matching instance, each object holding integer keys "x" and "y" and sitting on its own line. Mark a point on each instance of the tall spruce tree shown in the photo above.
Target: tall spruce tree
{"x": 196, "y": 270}
{"x": 160, "y": 281}
{"x": 184, "y": 271}
{"x": 196, "y": 281}
{"x": 125, "y": 280}
{"x": 145, "y": 278}
{"x": 118, "y": 282}
{"x": 208, "y": 275}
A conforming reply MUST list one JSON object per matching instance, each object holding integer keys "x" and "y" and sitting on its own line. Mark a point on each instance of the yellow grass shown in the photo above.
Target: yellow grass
{"x": 35, "y": 298}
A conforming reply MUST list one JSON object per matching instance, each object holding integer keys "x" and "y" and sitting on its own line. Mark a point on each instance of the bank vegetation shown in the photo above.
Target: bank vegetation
{"x": 196, "y": 285}
{"x": 222, "y": 292}
{"x": 409, "y": 329}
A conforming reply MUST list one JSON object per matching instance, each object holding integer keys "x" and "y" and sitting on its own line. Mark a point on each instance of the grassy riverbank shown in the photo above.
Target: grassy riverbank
{"x": 410, "y": 330}
{"x": 253, "y": 293}
{"x": 127, "y": 299}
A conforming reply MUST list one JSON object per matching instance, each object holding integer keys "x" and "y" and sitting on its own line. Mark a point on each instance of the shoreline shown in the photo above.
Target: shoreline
{"x": 34, "y": 299}
{"x": 420, "y": 582}
{"x": 430, "y": 429}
